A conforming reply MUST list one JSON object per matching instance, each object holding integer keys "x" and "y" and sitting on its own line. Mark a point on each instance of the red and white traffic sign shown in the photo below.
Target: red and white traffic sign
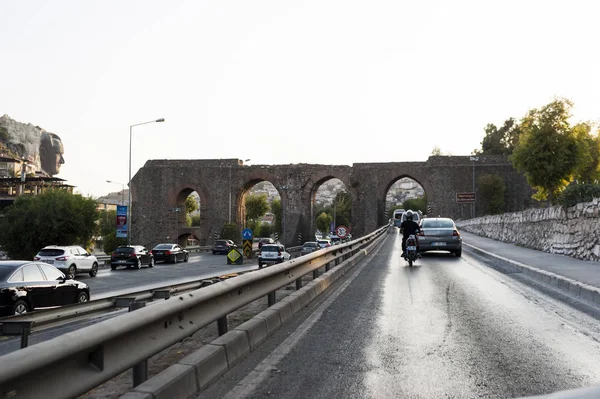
{"x": 341, "y": 231}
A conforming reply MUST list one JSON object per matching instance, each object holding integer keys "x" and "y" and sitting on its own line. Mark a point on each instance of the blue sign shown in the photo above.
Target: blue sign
{"x": 122, "y": 223}
{"x": 247, "y": 234}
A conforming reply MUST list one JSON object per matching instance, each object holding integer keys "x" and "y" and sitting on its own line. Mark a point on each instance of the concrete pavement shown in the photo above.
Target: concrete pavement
{"x": 573, "y": 275}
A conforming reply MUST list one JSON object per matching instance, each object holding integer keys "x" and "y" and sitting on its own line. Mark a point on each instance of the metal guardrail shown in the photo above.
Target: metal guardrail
{"x": 44, "y": 319}
{"x": 95, "y": 354}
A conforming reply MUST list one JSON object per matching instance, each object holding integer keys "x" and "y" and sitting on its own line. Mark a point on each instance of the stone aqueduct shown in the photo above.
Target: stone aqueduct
{"x": 163, "y": 185}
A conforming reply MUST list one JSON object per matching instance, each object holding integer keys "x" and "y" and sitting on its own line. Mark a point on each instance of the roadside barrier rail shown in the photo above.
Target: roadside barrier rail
{"x": 95, "y": 354}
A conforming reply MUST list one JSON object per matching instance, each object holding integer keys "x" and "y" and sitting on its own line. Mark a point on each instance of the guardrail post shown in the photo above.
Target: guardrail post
{"x": 315, "y": 274}
{"x": 140, "y": 370}
{"x": 328, "y": 266}
{"x": 222, "y": 325}
{"x": 298, "y": 283}
{"x": 22, "y": 328}
{"x": 271, "y": 298}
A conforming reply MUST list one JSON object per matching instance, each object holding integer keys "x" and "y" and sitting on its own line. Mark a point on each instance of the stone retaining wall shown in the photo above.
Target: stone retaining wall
{"x": 574, "y": 232}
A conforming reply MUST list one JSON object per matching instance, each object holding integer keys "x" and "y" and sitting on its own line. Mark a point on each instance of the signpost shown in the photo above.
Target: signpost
{"x": 247, "y": 242}
{"x": 234, "y": 257}
{"x": 465, "y": 198}
{"x": 122, "y": 223}
{"x": 342, "y": 231}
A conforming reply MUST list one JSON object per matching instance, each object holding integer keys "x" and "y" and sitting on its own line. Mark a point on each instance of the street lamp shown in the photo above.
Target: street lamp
{"x": 473, "y": 160}
{"x": 229, "y": 219}
{"x": 129, "y": 184}
{"x": 122, "y": 190}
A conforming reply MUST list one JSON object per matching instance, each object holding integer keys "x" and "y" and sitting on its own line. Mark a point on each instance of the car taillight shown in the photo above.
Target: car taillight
{"x": 37, "y": 258}
{"x": 420, "y": 233}
{"x": 168, "y": 253}
{"x": 62, "y": 258}
{"x": 279, "y": 253}
{"x": 455, "y": 233}
{"x": 114, "y": 254}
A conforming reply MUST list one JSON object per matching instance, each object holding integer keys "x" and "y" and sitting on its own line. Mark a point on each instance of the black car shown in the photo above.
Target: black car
{"x": 131, "y": 255}
{"x": 172, "y": 253}
{"x": 223, "y": 247}
{"x": 27, "y": 285}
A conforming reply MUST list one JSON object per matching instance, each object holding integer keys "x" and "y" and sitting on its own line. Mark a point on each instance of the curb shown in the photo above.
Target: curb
{"x": 195, "y": 372}
{"x": 585, "y": 291}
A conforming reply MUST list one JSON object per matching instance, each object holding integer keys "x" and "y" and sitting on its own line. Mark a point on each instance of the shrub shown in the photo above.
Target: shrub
{"x": 578, "y": 192}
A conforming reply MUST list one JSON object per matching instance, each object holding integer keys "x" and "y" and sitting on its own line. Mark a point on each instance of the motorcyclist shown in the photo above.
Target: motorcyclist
{"x": 407, "y": 228}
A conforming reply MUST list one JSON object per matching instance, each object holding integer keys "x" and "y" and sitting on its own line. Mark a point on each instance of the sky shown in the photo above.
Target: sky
{"x": 277, "y": 82}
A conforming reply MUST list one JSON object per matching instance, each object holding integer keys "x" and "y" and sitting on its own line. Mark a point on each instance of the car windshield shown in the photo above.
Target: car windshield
{"x": 221, "y": 242}
{"x": 164, "y": 246}
{"x": 125, "y": 250}
{"x": 51, "y": 252}
{"x": 270, "y": 248}
{"x": 310, "y": 244}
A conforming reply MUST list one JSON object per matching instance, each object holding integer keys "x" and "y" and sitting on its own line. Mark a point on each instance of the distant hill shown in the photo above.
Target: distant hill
{"x": 114, "y": 198}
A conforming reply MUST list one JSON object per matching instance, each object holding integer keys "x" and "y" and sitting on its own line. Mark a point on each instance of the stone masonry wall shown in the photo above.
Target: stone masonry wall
{"x": 573, "y": 232}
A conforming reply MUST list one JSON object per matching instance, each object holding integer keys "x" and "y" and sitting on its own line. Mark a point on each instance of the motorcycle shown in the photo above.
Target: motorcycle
{"x": 411, "y": 249}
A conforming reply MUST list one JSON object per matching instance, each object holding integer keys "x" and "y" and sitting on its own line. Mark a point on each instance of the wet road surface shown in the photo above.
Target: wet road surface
{"x": 446, "y": 328}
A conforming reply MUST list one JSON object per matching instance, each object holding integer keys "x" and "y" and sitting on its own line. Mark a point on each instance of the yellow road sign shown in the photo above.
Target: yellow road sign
{"x": 234, "y": 257}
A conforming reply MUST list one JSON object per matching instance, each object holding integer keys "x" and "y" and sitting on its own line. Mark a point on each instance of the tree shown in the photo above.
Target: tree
{"x": 500, "y": 141}
{"x": 256, "y": 207}
{"x": 323, "y": 222}
{"x": 190, "y": 205}
{"x": 232, "y": 232}
{"x": 491, "y": 189}
{"x": 437, "y": 151}
{"x": 107, "y": 226}
{"x": 416, "y": 204}
{"x": 276, "y": 210}
{"x": 547, "y": 149}
{"x": 589, "y": 153}
{"x": 343, "y": 208}
{"x": 54, "y": 217}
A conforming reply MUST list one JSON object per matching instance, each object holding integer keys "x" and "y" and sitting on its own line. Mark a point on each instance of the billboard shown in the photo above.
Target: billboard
{"x": 122, "y": 223}
{"x": 465, "y": 198}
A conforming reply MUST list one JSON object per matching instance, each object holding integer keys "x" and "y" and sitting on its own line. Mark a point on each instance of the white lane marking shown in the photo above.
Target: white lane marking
{"x": 261, "y": 372}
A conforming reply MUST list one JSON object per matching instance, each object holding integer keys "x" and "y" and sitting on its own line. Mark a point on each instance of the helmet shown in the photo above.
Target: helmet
{"x": 409, "y": 215}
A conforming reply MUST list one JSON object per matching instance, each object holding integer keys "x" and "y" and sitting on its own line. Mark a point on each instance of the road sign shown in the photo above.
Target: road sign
{"x": 300, "y": 237}
{"x": 247, "y": 246}
{"x": 341, "y": 231}
{"x": 246, "y": 234}
{"x": 276, "y": 236}
{"x": 216, "y": 235}
{"x": 234, "y": 257}
{"x": 465, "y": 198}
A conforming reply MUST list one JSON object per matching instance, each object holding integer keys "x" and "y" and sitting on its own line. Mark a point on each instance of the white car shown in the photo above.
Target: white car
{"x": 271, "y": 254}
{"x": 70, "y": 260}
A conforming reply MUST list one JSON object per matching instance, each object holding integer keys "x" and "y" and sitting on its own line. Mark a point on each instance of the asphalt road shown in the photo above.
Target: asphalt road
{"x": 202, "y": 265}
{"x": 447, "y": 327}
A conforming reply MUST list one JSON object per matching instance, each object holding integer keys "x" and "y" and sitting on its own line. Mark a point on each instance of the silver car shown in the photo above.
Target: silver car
{"x": 310, "y": 246}
{"x": 70, "y": 260}
{"x": 439, "y": 234}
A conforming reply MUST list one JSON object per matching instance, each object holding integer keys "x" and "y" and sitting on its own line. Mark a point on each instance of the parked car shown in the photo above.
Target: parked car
{"x": 335, "y": 240}
{"x": 171, "y": 253}
{"x": 131, "y": 255}
{"x": 271, "y": 254}
{"x": 223, "y": 246}
{"x": 439, "y": 234}
{"x": 309, "y": 246}
{"x": 29, "y": 285}
{"x": 324, "y": 243}
{"x": 263, "y": 241}
{"x": 70, "y": 260}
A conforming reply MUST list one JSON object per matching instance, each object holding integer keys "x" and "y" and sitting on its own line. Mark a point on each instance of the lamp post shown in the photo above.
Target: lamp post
{"x": 129, "y": 184}
{"x": 473, "y": 160}
{"x": 283, "y": 188}
{"x": 229, "y": 218}
{"x": 122, "y": 190}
